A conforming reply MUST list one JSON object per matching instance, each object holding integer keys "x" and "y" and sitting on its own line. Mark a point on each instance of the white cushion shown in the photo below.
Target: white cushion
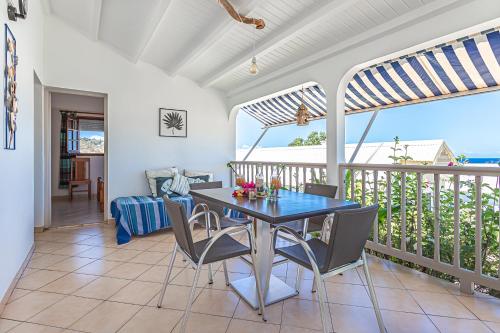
{"x": 194, "y": 173}
{"x": 180, "y": 184}
{"x": 151, "y": 176}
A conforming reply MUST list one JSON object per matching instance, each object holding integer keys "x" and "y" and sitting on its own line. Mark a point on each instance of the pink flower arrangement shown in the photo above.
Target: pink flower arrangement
{"x": 243, "y": 192}
{"x": 451, "y": 164}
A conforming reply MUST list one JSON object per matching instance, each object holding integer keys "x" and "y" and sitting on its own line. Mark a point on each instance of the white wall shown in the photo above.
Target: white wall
{"x": 16, "y": 166}
{"x": 135, "y": 92}
{"x": 72, "y": 102}
{"x": 334, "y": 71}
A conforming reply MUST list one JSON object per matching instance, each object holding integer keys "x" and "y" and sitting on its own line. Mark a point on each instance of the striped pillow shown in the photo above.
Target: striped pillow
{"x": 180, "y": 184}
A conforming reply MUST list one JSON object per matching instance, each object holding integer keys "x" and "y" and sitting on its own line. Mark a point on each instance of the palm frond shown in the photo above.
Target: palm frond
{"x": 174, "y": 121}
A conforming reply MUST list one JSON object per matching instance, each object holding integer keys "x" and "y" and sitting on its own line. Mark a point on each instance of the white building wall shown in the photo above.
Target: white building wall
{"x": 17, "y": 166}
{"x": 135, "y": 92}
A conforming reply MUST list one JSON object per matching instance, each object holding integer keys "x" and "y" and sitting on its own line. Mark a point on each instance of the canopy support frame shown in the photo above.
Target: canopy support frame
{"x": 365, "y": 134}
{"x": 256, "y": 143}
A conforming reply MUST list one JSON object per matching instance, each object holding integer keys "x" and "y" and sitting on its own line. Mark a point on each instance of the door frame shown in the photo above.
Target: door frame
{"x": 47, "y": 115}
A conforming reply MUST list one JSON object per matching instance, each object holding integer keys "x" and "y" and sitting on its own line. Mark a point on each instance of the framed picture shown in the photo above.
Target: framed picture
{"x": 173, "y": 123}
{"x": 10, "y": 88}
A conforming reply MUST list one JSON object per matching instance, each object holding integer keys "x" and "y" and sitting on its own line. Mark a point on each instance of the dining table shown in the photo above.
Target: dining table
{"x": 266, "y": 213}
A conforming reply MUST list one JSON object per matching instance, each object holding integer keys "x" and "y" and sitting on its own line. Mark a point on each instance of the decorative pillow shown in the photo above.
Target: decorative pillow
{"x": 180, "y": 184}
{"x": 163, "y": 187}
{"x": 198, "y": 179}
{"x": 193, "y": 173}
{"x": 151, "y": 176}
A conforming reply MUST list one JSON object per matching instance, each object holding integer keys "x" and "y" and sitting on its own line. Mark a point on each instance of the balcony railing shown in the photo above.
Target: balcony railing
{"x": 293, "y": 177}
{"x": 443, "y": 218}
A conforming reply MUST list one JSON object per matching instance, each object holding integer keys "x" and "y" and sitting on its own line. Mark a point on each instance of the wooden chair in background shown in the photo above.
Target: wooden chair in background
{"x": 100, "y": 193}
{"x": 80, "y": 175}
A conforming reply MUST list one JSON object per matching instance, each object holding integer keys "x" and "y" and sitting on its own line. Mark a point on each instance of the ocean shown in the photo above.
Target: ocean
{"x": 483, "y": 160}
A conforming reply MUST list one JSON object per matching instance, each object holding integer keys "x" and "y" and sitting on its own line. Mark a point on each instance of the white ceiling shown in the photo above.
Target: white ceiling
{"x": 197, "y": 39}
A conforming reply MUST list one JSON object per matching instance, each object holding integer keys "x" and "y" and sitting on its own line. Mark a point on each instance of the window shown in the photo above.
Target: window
{"x": 85, "y": 136}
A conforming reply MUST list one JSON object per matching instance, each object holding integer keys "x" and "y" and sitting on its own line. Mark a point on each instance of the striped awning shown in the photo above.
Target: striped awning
{"x": 281, "y": 110}
{"x": 465, "y": 66}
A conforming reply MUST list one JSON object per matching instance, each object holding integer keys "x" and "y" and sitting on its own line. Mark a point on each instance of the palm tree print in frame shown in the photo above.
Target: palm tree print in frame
{"x": 173, "y": 122}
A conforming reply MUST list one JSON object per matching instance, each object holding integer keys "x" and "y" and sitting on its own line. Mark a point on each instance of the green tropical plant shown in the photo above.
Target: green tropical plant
{"x": 314, "y": 138}
{"x": 174, "y": 121}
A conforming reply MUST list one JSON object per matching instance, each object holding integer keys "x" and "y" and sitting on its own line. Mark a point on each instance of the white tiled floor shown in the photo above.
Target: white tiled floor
{"x": 79, "y": 280}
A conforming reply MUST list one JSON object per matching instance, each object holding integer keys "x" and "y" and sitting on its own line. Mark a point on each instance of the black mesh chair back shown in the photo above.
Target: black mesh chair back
{"x": 177, "y": 215}
{"x": 323, "y": 190}
{"x": 216, "y": 208}
{"x": 348, "y": 236}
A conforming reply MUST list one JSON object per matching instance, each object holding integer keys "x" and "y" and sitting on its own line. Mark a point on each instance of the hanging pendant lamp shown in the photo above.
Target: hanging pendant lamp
{"x": 302, "y": 113}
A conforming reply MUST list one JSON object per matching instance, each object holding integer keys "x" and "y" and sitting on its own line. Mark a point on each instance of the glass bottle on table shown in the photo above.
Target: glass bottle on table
{"x": 259, "y": 180}
{"x": 275, "y": 184}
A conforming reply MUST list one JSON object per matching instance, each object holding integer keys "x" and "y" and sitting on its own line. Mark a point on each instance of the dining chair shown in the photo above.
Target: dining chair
{"x": 205, "y": 221}
{"x": 344, "y": 251}
{"x": 315, "y": 223}
{"x": 80, "y": 175}
{"x": 207, "y": 251}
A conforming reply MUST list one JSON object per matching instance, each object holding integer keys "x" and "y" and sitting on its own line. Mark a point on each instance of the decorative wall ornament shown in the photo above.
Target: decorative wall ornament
{"x": 12, "y": 10}
{"x": 173, "y": 122}
{"x": 10, "y": 90}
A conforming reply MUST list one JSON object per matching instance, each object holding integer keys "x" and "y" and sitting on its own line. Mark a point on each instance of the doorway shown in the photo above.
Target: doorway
{"x": 77, "y": 156}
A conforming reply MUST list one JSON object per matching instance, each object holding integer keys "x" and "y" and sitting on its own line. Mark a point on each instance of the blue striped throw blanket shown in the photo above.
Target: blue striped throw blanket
{"x": 142, "y": 215}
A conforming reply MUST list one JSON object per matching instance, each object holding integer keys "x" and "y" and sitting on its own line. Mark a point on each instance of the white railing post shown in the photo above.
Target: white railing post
{"x": 375, "y": 201}
{"x": 389, "y": 209}
{"x": 479, "y": 212}
{"x": 437, "y": 216}
{"x": 403, "y": 211}
{"x": 419, "y": 214}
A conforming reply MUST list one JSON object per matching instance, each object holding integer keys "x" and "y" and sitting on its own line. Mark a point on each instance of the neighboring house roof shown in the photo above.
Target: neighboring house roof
{"x": 421, "y": 151}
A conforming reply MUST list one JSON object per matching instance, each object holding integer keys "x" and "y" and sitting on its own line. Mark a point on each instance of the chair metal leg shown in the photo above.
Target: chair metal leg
{"x": 373, "y": 296}
{"x": 226, "y": 275}
{"x": 167, "y": 276}
{"x": 298, "y": 278}
{"x": 210, "y": 274}
{"x": 314, "y": 286}
{"x": 323, "y": 304}
{"x": 187, "y": 312}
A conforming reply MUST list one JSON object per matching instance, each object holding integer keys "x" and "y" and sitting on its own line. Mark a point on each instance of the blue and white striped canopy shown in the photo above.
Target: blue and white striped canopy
{"x": 465, "y": 66}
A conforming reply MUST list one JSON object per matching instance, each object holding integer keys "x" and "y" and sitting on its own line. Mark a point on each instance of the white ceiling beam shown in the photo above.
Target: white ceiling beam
{"x": 96, "y": 19}
{"x": 280, "y": 36}
{"x": 152, "y": 27}
{"x": 202, "y": 42}
{"x": 429, "y": 10}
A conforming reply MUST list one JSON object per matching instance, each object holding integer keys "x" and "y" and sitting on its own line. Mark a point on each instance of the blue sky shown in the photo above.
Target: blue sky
{"x": 470, "y": 125}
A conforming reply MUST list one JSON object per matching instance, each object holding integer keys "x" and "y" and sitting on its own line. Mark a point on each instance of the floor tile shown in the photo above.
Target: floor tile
{"x": 419, "y": 282}
{"x": 137, "y": 292}
{"x": 485, "y": 308}
{"x": 176, "y": 297}
{"x": 238, "y": 266}
{"x": 381, "y": 278}
{"x": 71, "y": 264}
{"x": 72, "y": 249}
{"x": 6, "y": 324}
{"x": 351, "y": 294}
{"x": 454, "y": 325}
{"x": 139, "y": 244}
{"x": 128, "y": 271}
{"x": 69, "y": 283}
{"x": 35, "y": 328}
{"x": 246, "y": 312}
{"x": 106, "y": 318}
{"x": 150, "y": 258}
{"x": 99, "y": 267}
{"x": 402, "y": 322}
{"x": 495, "y": 327}
{"x": 18, "y": 293}
{"x": 186, "y": 277}
{"x": 158, "y": 273}
{"x": 39, "y": 279}
{"x": 65, "y": 312}
{"x": 301, "y": 313}
{"x": 347, "y": 318}
{"x": 29, "y": 305}
{"x": 162, "y": 247}
{"x": 244, "y": 326}
{"x": 122, "y": 255}
{"x": 96, "y": 252}
{"x": 216, "y": 302}
{"x": 151, "y": 319}
{"x": 102, "y": 288}
{"x": 350, "y": 276}
{"x": 202, "y": 323}
{"x": 397, "y": 300}
{"x": 441, "y": 305}
{"x": 46, "y": 260}
{"x": 48, "y": 247}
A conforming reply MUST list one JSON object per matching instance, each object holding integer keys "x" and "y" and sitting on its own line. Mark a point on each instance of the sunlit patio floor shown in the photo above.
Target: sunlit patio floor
{"x": 79, "y": 280}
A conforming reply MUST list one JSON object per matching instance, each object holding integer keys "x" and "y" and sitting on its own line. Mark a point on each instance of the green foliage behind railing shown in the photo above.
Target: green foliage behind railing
{"x": 467, "y": 202}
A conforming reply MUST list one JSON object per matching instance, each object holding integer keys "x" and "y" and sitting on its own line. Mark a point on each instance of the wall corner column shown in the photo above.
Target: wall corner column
{"x": 335, "y": 124}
